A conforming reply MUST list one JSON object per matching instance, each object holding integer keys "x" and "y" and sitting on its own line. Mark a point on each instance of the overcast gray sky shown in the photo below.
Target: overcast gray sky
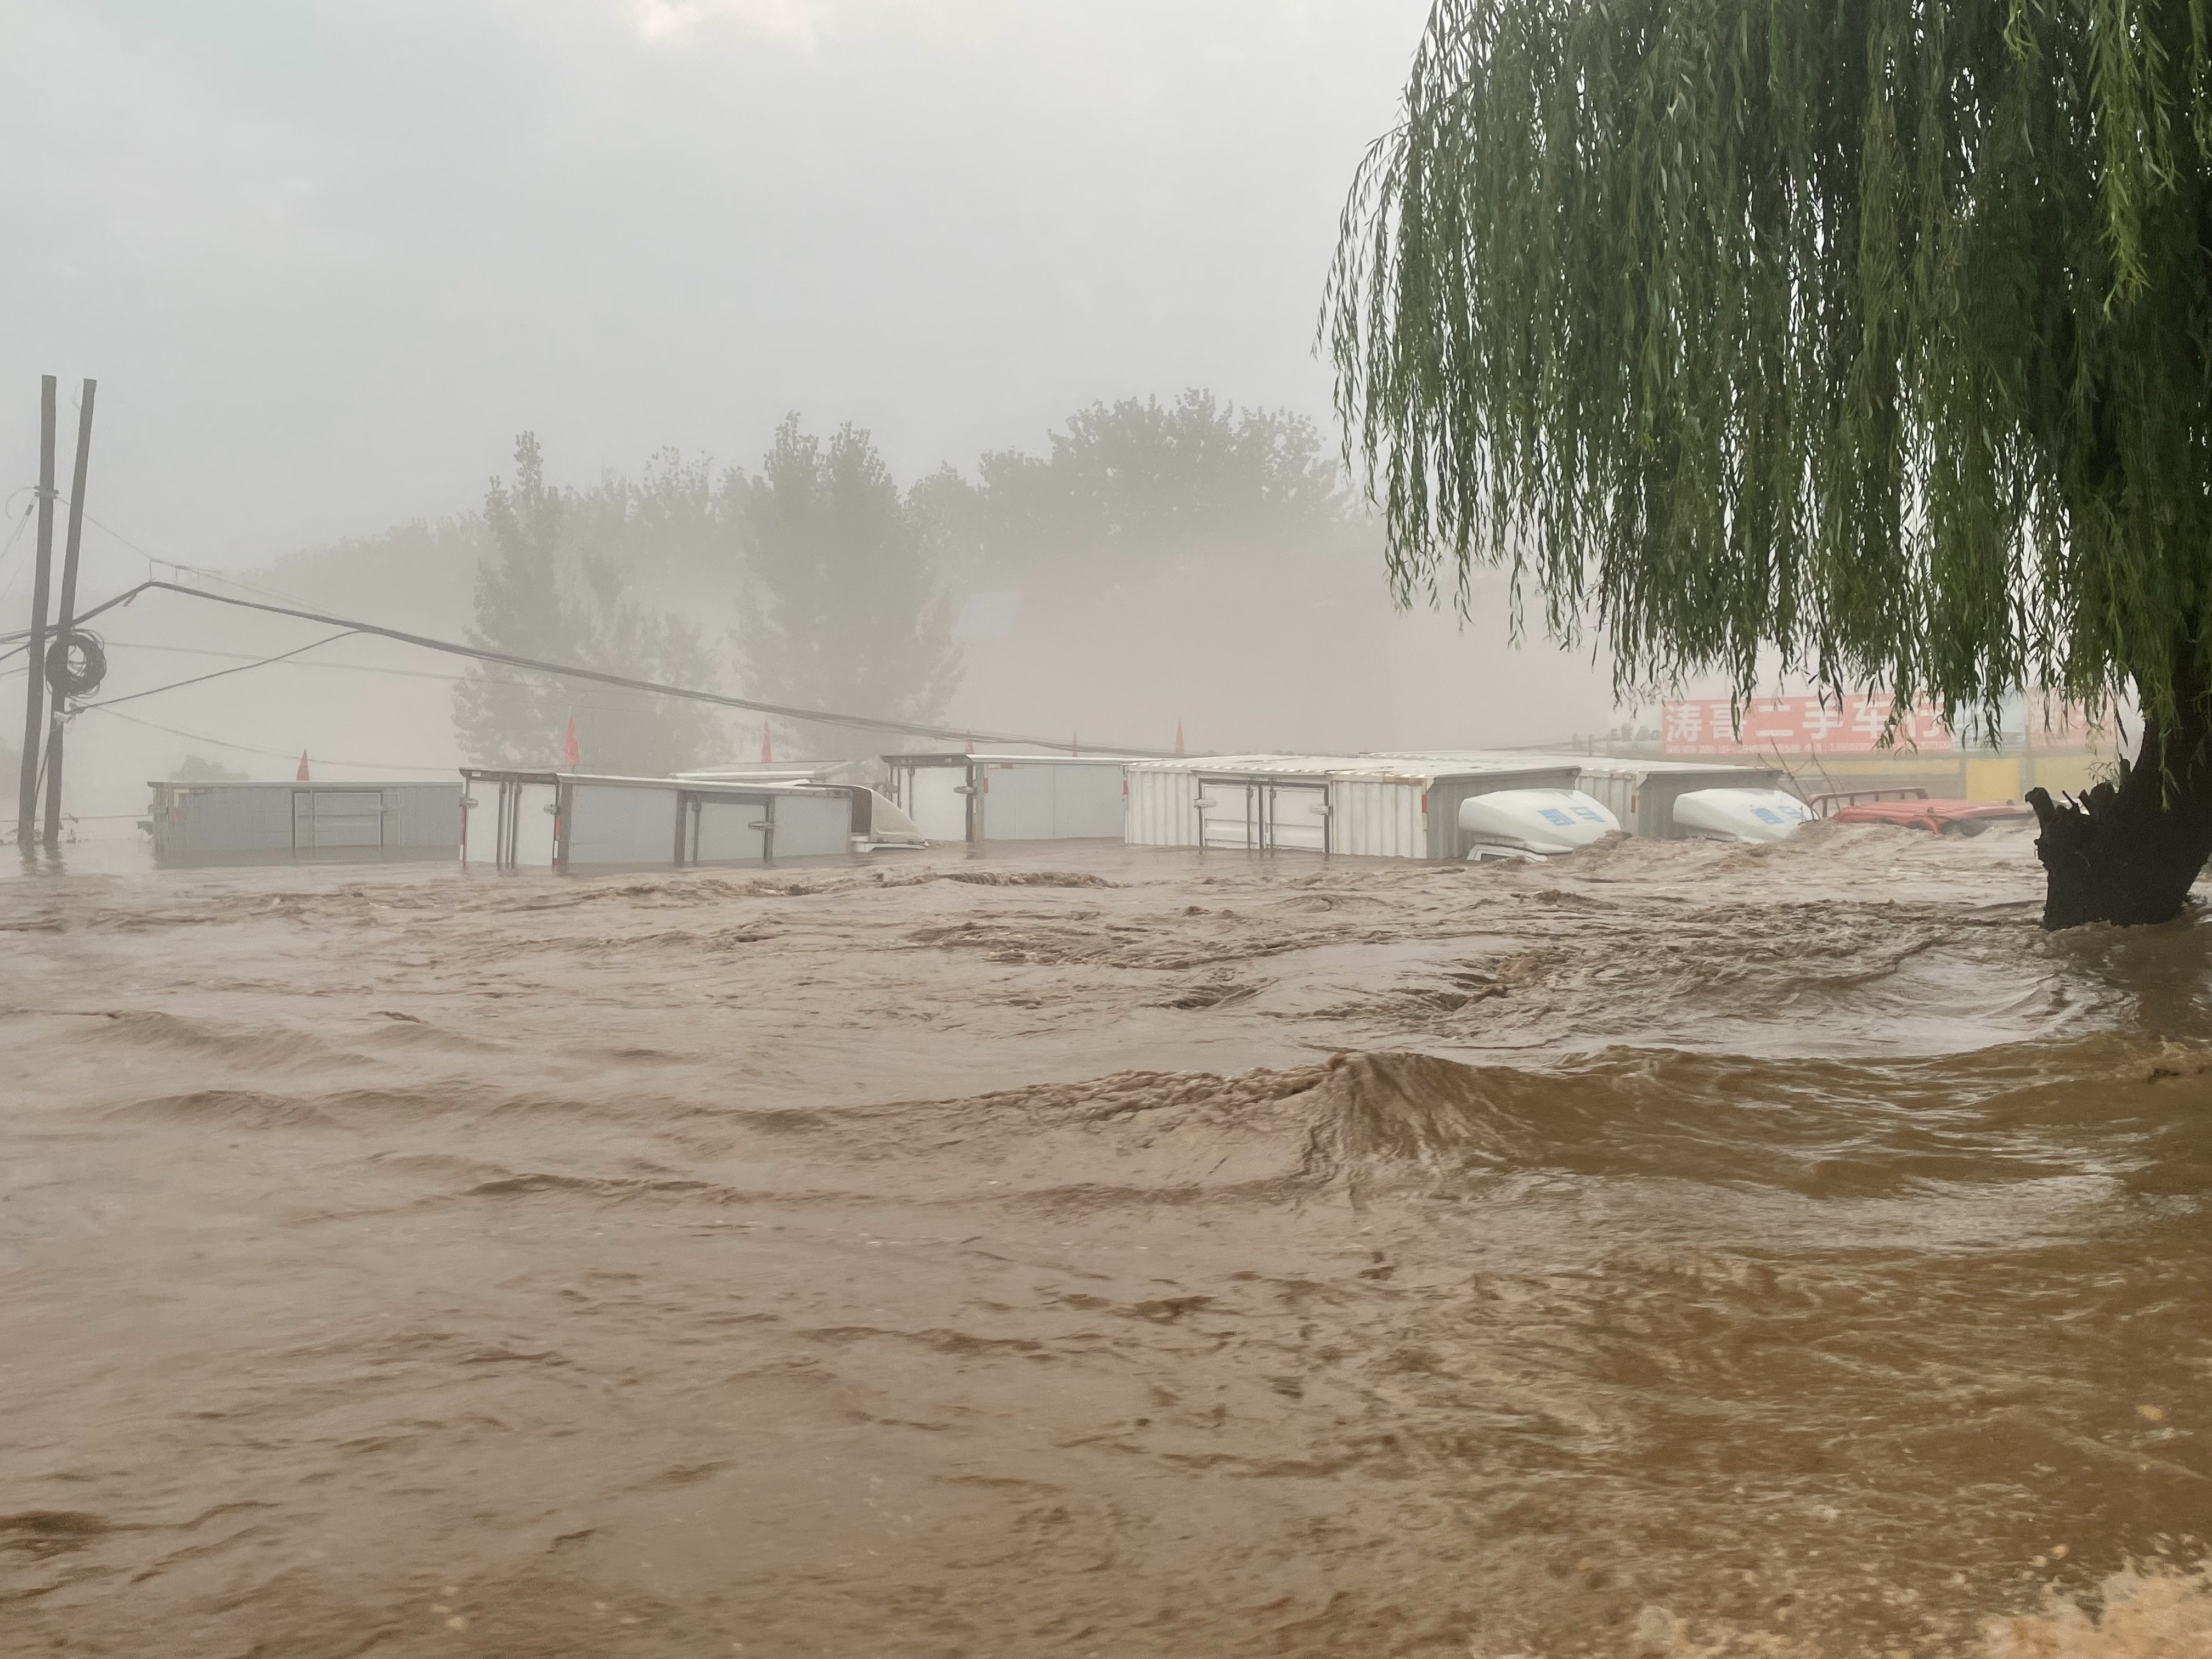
{"x": 325, "y": 257}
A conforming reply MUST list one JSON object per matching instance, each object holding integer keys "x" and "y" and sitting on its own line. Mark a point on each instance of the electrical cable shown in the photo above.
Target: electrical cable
{"x": 273, "y": 754}
{"x": 123, "y": 597}
{"x": 567, "y": 671}
{"x": 175, "y": 685}
{"x": 76, "y": 662}
{"x": 15, "y": 536}
{"x": 583, "y": 700}
{"x": 153, "y": 559}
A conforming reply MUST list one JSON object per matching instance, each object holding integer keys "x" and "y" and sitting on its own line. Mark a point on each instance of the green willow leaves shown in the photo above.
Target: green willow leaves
{"x": 1872, "y": 336}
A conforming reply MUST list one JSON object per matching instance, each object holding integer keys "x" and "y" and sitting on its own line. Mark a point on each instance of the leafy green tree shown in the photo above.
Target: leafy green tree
{"x": 1869, "y": 337}
{"x": 555, "y": 586}
{"x": 843, "y": 610}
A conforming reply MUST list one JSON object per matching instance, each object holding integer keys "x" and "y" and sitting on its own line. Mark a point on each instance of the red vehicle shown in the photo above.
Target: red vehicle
{"x": 1911, "y": 808}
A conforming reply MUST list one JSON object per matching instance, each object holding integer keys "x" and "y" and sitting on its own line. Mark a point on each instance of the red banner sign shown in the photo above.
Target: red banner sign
{"x": 1851, "y": 725}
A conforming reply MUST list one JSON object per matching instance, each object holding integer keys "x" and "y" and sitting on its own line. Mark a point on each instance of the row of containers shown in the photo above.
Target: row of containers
{"x": 1450, "y": 805}
{"x": 529, "y": 820}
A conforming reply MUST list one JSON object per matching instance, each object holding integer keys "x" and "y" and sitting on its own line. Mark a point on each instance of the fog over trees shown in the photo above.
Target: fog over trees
{"x": 1140, "y": 479}
{"x": 555, "y": 584}
{"x": 324, "y": 272}
{"x": 841, "y": 609}
{"x": 816, "y": 578}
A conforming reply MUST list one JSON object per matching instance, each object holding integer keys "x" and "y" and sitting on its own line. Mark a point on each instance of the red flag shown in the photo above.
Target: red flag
{"x": 1178, "y": 734}
{"x": 768, "y": 753}
{"x": 971, "y": 745}
{"x": 302, "y": 775}
{"x": 571, "y": 755}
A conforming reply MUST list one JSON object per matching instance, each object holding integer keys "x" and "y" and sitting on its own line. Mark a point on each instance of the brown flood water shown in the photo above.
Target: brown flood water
{"x": 1676, "y": 1250}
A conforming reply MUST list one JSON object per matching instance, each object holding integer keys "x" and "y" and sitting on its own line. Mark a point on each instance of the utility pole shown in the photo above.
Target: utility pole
{"x": 27, "y": 798}
{"x": 66, "y": 613}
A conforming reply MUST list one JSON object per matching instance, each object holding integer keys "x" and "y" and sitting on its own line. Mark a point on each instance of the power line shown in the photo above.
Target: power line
{"x": 249, "y": 657}
{"x": 251, "y": 748}
{"x": 566, "y": 670}
{"x": 15, "y": 536}
{"x": 584, "y": 699}
{"x": 589, "y": 697}
{"x": 153, "y": 559}
{"x": 177, "y": 685}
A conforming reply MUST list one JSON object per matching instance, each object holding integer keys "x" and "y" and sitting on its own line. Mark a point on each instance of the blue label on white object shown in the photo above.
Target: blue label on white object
{"x": 1585, "y": 812}
{"x": 1554, "y": 815}
{"x": 1766, "y": 815}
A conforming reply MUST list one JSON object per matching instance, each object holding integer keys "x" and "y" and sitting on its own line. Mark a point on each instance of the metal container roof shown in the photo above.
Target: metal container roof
{"x": 1410, "y": 768}
{"x": 1586, "y": 763}
{"x": 759, "y": 772}
{"x": 295, "y": 783}
{"x": 956, "y": 756}
{"x": 688, "y": 785}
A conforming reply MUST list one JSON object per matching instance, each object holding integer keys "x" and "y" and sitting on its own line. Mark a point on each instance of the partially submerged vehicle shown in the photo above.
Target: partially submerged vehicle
{"x": 1738, "y": 814}
{"x": 1913, "y": 808}
{"x": 1533, "y": 823}
{"x": 1648, "y": 797}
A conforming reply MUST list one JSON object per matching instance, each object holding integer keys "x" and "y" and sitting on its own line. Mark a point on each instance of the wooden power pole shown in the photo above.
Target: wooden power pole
{"x": 65, "y": 613}
{"x": 35, "y": 683}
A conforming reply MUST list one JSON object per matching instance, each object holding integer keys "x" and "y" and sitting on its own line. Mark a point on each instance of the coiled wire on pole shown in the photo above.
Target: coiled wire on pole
{"x": 76, "y": 662}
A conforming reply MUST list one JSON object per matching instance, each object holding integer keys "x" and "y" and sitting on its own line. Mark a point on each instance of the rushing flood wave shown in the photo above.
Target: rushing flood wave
{"x": 1671, "y": 1251}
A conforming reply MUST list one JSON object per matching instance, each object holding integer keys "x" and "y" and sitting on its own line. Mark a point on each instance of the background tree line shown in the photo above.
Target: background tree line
{"x": 818, "y": 579}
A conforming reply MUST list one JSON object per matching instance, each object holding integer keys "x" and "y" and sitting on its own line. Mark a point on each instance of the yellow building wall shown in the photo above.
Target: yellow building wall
{"x": 1947, "y": 773}
{"x": 2070, "y": 773}
{"x": 1984, "y": 777}
{"x": 1992, "y": 777}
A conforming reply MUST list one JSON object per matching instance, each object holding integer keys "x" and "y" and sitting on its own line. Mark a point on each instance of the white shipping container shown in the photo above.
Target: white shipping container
{"x": 936, "y": 798}
{"x": 241, "y": 823}
{"x": 567, "y": 821}
{"x": 620, "y": 823}
{"x": 961, "y": 797}
{"x": 1349, "y": 805}
{"x": 1380, "y": 817}
{"x": 1159, "y": 808}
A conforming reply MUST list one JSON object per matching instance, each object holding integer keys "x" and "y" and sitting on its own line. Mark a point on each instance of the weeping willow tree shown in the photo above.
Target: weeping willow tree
{"x": 1871, "y": 338}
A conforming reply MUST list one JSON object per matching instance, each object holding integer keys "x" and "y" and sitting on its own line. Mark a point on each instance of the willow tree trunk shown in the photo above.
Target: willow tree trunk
{"x": 2127, "y": 852}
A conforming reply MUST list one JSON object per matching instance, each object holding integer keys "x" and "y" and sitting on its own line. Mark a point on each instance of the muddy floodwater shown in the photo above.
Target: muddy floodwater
{"x": 1677, "y": 1249}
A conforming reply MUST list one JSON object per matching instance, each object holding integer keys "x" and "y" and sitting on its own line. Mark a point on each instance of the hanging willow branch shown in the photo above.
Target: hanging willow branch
{"x": 1871, "y": 335}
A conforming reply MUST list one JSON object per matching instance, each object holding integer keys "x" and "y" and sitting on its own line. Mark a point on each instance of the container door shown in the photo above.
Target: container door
{"x": 625, "y": 826}
{"x": 1297, "y": 817}
{"x": 1087, "y": 801}
{"x": 1228, "y": 812}
{"x": 939, "y": 810}
{"x": 222, "y": 819}
{"x": 534, "y": 806}
{"x": 419, "y": 815}
{"x": 481, "y": 816}
{"x": 813, "y": 826}
{"x": 1017, "y": 804}
{"x": 724, "y": 831}
{"x": 333, "y": 818}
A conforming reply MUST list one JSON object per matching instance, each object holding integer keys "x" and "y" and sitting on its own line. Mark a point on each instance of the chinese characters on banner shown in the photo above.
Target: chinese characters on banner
{"x": 1795, "y": 726}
